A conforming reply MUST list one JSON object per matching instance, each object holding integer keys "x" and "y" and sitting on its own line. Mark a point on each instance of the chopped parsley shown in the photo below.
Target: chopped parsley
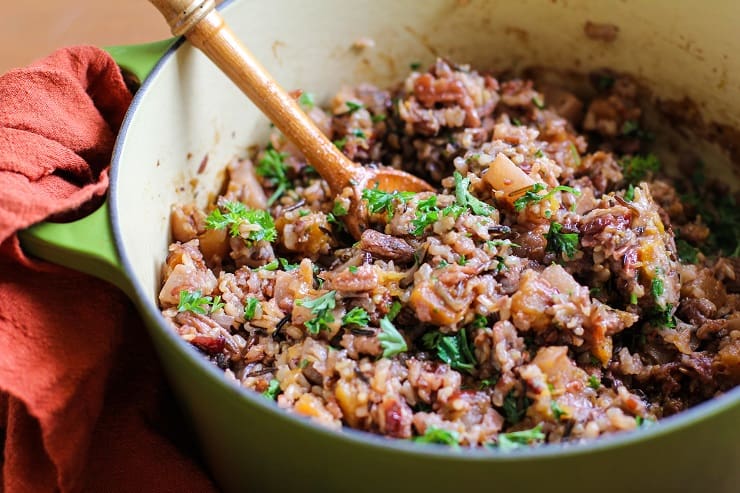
{"x": 360, "y": 134}
{"x": 287, "y": 266}
{"x": 452, "y": 349}
{"x": 644, "y": 422}
{"x": 196, "y": 303}
{"x": 390, "y": 339}
{"x": 629, "y": 194}
{"x": 539, "y": 153}
{"x": 686, "y": 252}
{"x": 656, "y": 286}
{"x": 356, "y": 316}
{"x": 272, "y": 265}
{"x": 340, "y": 143}
{"x": 662, "y": 317}
{"x": 395, "y": 309}
{"x": 594, "y": 382}
{"x": 321, "y": 307}
{"x": 633, "y": 298}
{"x": 516, "y": 439}
{"x": 533, "y": 196}
{"x": 377, "y": 118}
{"x": 517, "y": 122}
{"x": 439, "y": 435}
{"x": 557, "y": 411}
{"x": 479, "y": 322}
{"x": 538, "y": 102}
{"x": 637, "y": 168}
{"x": 273, "y": 389}
{"x": 235, "y": 214}
{"x": 462, "y": 260}
{"x": 427, "y": 214}
{"x": 561, "y": 243}
{"x": 515, "y": 408}
{"x": 272, "y": 167}
{"x": 250, "y": 307}
{"x": 353, "y": 106}
{"x": 467, "y": 199}
{"x": 415, "y": 65}
{"x": 352, "y": 269}
{"x": 307, "y": 100}
{"x": 379, "y": 201}
{"x": 338, "y": 210}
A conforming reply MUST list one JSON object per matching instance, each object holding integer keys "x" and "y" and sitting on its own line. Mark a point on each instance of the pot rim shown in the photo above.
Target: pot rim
{"x": 665, "y": 426}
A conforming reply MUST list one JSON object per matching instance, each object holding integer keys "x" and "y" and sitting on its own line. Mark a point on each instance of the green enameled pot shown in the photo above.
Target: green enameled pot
{"x": 186, "y": 111}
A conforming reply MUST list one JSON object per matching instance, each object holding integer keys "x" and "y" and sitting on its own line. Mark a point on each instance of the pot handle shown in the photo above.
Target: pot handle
{"x": 87, "y": 244}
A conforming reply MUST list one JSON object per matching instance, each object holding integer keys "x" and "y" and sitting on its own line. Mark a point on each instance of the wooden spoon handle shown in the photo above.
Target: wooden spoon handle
{"x": 204, "y": 27}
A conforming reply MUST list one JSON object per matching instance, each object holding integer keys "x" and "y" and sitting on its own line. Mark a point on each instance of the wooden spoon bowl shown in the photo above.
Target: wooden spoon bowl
{"x": 203, "y": 26}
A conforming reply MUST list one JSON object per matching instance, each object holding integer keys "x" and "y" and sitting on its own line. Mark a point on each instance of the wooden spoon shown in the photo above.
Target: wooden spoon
{"x": 203, "y": 26}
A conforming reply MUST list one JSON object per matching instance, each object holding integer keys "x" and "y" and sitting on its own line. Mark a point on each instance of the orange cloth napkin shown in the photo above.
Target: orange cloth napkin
{"x": 83, "y": 406}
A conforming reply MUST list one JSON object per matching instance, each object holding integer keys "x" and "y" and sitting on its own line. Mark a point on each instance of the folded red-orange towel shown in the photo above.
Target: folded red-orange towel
{"x": 83, "y": 406}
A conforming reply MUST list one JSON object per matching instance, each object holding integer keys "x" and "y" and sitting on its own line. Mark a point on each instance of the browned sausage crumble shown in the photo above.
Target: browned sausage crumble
{"x": 557, "y": 286}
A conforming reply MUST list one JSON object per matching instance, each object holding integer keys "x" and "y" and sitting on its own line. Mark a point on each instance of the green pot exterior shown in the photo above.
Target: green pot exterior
{"x": 251, "y": 445}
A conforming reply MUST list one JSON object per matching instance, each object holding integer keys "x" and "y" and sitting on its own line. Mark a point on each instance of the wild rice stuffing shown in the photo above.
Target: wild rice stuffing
{"x": 558, "y": 285}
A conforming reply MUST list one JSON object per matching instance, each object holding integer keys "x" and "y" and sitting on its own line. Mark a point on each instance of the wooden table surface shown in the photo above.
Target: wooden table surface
{"x": 31, "y": 29}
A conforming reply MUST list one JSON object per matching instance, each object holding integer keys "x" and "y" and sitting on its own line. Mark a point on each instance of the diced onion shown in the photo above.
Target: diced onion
{"x": 505, "y": 176}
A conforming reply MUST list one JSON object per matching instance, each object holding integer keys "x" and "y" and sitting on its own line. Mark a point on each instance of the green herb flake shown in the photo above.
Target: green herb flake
{"x": 352, "y": 269}
{"x": 322, "y": 308}
{"x": 193, "y": 302}
{"x": 394, "y": 310}
{"x": 273, "y": 168}
{"x": 637, "y": 168}
{"x": 537, "y": 101}
{"x": 272, "y": 265}
{"x": 379, "y": 201}
{"x": 462, "y": 260}
{"x": 427, "y": 214}
{"x": 633, "y": 298}
{"x": 217, "y": 304}
{"x": 232, "y": 215}
{"x": 479, "y": 322}
{"x": 360, "y": 134}
{"x": 273, "y": 390}
{"x": 452, "y": 349}
{"x": 354, "y": 106}
{"x": 533, "y": 195}
{"x": 307, "y": 100}
{"x": 303, "y": 213}
{"x": 656, "y": 286}
{"x": 303, "y": 364}
{"x": 340, "y": 143}
{"x": 662, "y": 317}
{"x": 629, "y": 194}
{"x": 644, "y": 422}
{"x": 687, "y": 253}
{"x": 557, "y": 411}
{"x": 517, "y": 439}
{"x": 377, "y": 118}
{"x": 356, "y": 316}
{"x": 339, "y": 210}
{"x": 513, "y": 412}
{"x": 390, "y": 339}
{"x": 466, "y": 199}
{"x": 539, "y": 153}
{"x": 287, "y": 266}
{"x": 439, "y": 435}
{"x": 561, "y": 243}
{"x": 250, "y": 307}
{"x": 415, "y": 65}
{"x": 594, "y": 382}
